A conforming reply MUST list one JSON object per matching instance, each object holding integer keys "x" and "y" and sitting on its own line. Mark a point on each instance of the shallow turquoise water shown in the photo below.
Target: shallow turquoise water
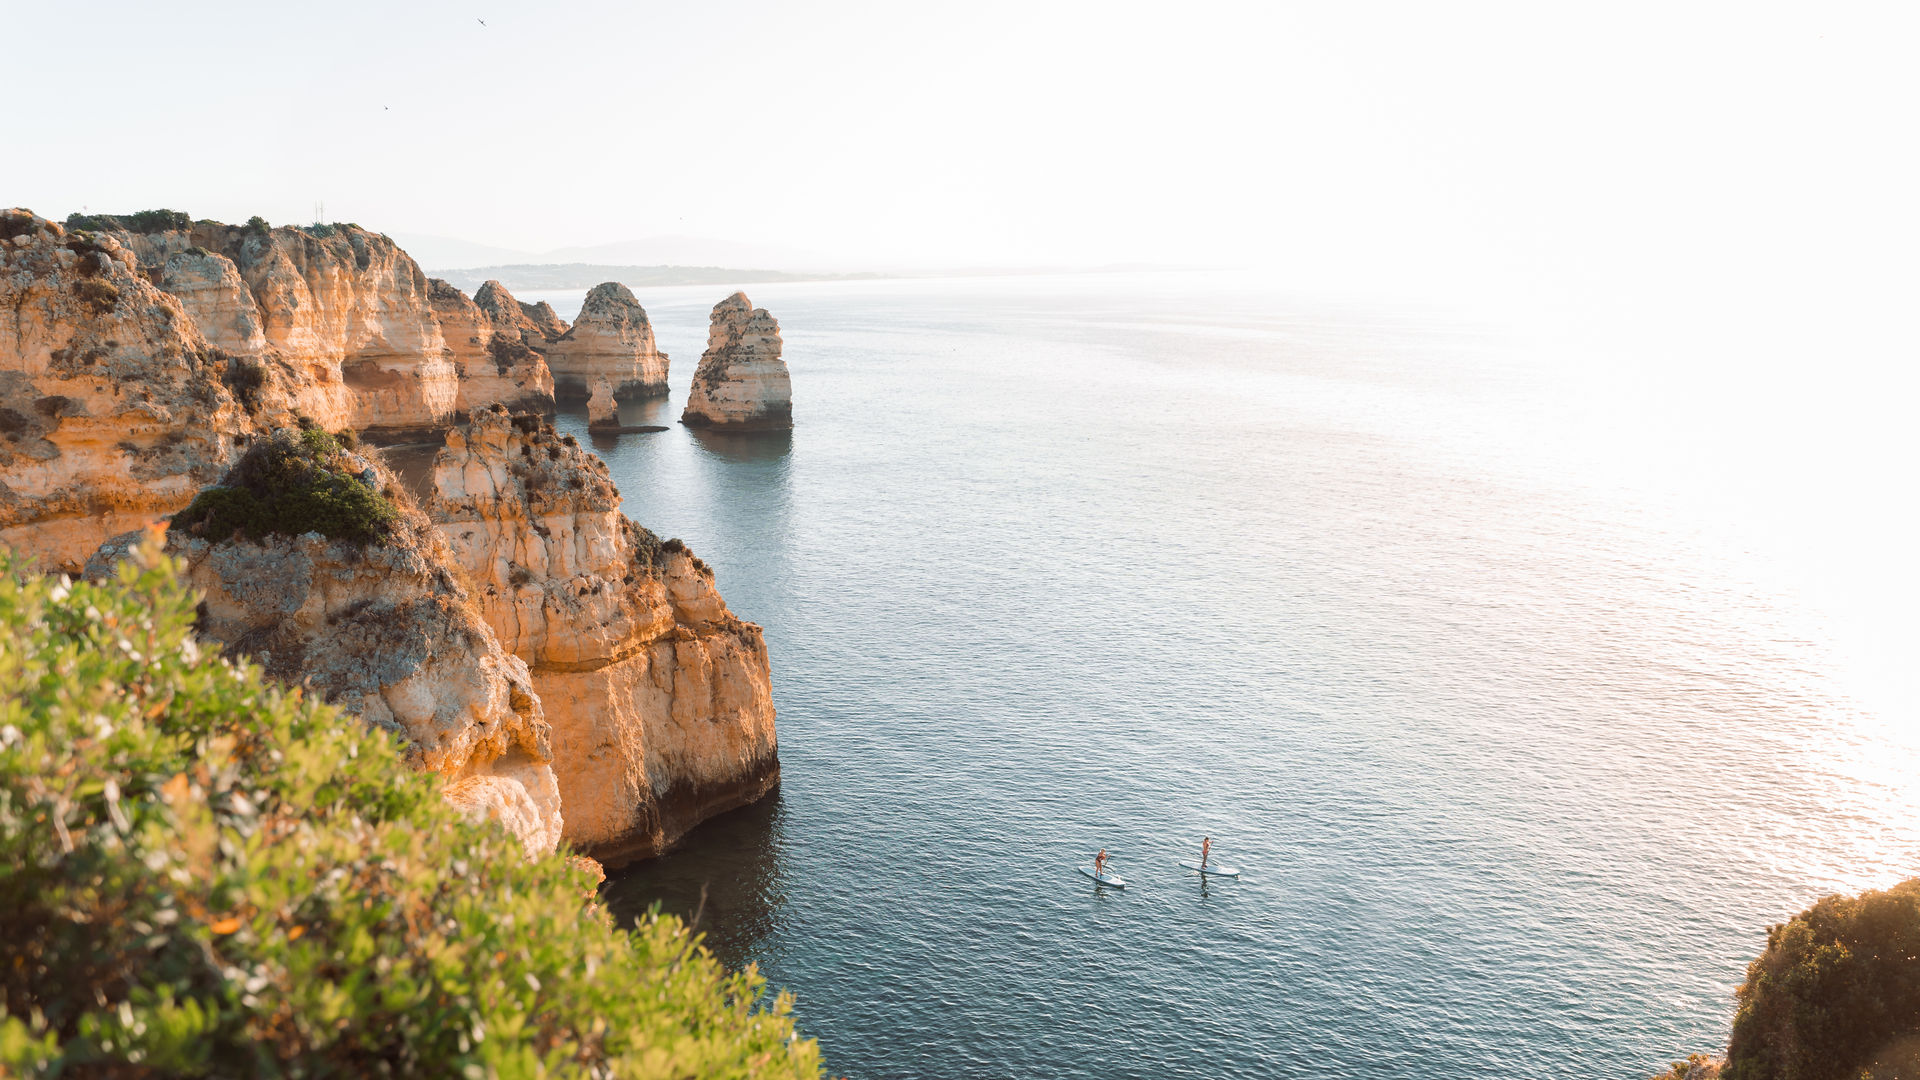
{"x": 1518, "y": 755}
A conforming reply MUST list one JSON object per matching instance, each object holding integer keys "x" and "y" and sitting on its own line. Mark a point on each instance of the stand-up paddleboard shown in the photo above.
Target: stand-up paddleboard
{"x": 1212, "y": 869}
{"x": 1109, "y": 878}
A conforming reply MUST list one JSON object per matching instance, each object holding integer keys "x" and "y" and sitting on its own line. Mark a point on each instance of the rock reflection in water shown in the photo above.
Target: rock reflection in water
{"x": 735, "y": 860}
{"x": 744, "y": 447}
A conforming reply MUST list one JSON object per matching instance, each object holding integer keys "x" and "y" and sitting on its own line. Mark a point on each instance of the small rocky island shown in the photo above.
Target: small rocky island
{"x": 741, "y": 383}
{"x": 603, "y": 412}
{"x": 611, "y": 339}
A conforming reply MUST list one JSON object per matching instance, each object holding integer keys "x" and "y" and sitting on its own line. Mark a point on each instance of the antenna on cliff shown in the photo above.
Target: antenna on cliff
{"x": 319, "y": 212}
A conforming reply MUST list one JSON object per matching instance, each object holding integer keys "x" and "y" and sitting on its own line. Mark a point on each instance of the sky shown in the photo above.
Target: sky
{"x": 1735, "y": 176}
{"x": 1356, "y": 141}
{"x": 1656, "y": 182}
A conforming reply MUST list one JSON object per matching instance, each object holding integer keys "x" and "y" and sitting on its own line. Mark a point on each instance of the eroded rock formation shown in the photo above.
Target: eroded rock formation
{"x": 610, "y": 339}
{"x": 509, "y": 317}
{"x": 741, "y": 383}
{"x": 602, "y": 410}
{"x": 659, "y": 697}
{"x": 344, "y": 317}
{"x": 215, "y": 297}
{"x": 492, "y": 367}
{"x": 390, "y": 633}
{"x": 113, "y": 407}
{"x": 526, "y": 624}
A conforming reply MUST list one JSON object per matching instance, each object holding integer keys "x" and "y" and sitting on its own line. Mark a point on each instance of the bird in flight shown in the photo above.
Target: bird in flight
{"x": 482, "y": 22}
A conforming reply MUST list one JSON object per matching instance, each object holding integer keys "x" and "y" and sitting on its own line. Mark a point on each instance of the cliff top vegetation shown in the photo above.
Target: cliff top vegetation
{"x": 291, "y": 483}
{"x": 208, "y": 874}
{"x": 143, "y": 221}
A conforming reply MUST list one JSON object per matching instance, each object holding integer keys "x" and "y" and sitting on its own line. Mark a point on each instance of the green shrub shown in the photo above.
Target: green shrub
{"x": 258, "y": 225}
{"x": 144, "y": 221}
{"x": 100, "y": 295}
{"x": 292, "y": 483}
{"x": 153, "y": 221}
{"x": 202, "y": 874}
{"x": 245, "y": 376}
{"x": 1836, "y": 994}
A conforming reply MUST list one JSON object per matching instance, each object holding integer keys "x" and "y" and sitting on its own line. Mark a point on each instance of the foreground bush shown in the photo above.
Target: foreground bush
{"x": 203, "y": 874}
{"x": 1836, "y": 994}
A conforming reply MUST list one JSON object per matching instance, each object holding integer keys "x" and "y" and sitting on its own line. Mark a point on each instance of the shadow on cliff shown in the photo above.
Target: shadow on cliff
{"x": 727, "y": 870}
{"x": 744, "y": 447}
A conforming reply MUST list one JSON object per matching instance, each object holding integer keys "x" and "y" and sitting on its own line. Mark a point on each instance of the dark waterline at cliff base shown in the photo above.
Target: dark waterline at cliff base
{"x": 1518, "y": 762}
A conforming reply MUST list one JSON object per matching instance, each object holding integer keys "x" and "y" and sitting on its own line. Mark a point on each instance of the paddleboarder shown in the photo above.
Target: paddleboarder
{"x": 1206, "y": 845}
{"x": 1100, "y": 863}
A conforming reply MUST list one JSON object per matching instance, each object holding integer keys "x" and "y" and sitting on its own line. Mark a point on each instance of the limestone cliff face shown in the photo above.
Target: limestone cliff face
{"x": 611, "y": 339}
{"x": 741, "y": 383}
{"x": 343, "y": 314}
{"x": 113, "y": 407}
{"x": 136, "y": 367}
{"x": 212, "y": 292}
{"x": 491, "y": 367}
{"x": 510, "y": 318}
{"x": 390, "y": 636}
{"x": 546, "y": 321}
{"x": 659, "y": 697}
{"x": 388, "y": 632}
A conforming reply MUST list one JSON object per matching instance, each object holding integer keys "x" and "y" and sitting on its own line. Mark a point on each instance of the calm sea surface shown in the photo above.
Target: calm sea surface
{"x": 1520, "y": 746}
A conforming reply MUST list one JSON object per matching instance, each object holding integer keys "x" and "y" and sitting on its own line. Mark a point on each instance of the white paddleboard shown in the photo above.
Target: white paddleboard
{"x": 1105, "y": 879}
{"x": 1214, "y": 869}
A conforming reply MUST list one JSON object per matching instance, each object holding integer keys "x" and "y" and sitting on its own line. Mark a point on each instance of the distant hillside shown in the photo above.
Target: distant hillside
{"x": 533, "y": 276}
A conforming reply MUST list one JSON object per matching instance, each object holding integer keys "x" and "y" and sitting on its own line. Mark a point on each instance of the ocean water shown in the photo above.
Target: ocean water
{"x": 1520, "y": 733}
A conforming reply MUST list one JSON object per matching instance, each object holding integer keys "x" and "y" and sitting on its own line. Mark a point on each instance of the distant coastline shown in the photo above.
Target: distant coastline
{"x": 534, "y": 276}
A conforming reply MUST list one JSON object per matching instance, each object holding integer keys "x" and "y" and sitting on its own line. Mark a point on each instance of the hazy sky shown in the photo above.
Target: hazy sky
{"x": 1655, "y": 148}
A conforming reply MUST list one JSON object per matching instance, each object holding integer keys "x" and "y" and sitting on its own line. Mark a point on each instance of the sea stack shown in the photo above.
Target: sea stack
{"x": 602, "y": 411}
{"x": 741, "y": 384}
{"x": 489, "y": 352}
{"x": 610, "y": 339}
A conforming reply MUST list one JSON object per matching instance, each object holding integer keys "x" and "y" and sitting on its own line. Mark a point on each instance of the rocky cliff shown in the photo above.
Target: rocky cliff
{"x": 537, "y": 325}
{"x": 343, "y": 316}
{"x": 610, "y": 339}
{"x": 741, "y": 383}
{"x": 113, "y": 408}
{"x": 137, "y": 366}
{"x": 603, "y": 411}
{"x": 381, "y": 627}
{"x": 492, "y": 367}
{"x": 659, "y": 697}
